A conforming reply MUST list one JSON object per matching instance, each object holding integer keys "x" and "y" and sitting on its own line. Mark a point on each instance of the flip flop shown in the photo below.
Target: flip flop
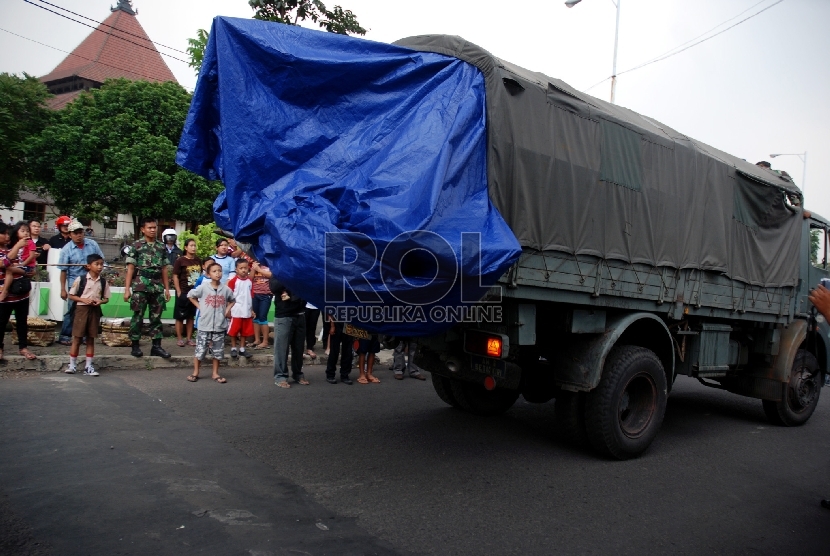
{"x": 180, "y": 343}
{"x": 302, "y": 381}
{"x": 362, "y": 380}
{"x": 193, "y": 378}
{"x": 374, "y": 380}
{"x": 191, "y": 343}
{"x": 283, "y": 384}
{"x": 220, "y": 379}
{"x": 28, "y": 354}
{"x": 311, "y": 354}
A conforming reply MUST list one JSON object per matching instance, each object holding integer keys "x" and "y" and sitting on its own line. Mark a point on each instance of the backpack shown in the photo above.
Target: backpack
{"x": 82, "y": 285}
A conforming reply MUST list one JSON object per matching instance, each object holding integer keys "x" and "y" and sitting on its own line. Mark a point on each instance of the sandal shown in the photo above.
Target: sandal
{"x": 302, "y": 381}
{"x": 311, "y": 354}
{"x": 180, "y": 343}
{"x": 362, "y": 380}
{"x": 260, "y": 346}
{"x": 283, "y": 384}
{"x": 28, "y": 354}
{"x": 191, "y": 343}
{"x": 374, "y": 379}
{"x": 193, "y": 378}
{"x": 220, "y": 379}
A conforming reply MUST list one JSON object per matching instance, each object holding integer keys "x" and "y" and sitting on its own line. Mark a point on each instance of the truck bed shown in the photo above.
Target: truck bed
{"x": 593, "y": 282}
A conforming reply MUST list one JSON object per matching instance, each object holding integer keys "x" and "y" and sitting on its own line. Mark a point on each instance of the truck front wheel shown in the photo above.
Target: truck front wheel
{"x": 476, "y": 399}
{"x": 624, "y": 413}
{"x": 800, "y": 396}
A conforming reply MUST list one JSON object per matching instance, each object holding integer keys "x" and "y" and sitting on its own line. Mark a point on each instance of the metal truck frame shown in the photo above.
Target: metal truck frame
{"x": 607, "y": 341}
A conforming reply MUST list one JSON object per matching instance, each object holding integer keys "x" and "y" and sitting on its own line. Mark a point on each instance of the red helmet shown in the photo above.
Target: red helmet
{"x": 63, "y": 221}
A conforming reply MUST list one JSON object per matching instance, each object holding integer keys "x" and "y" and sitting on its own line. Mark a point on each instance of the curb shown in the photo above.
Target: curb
{"x": 54, "y": 363}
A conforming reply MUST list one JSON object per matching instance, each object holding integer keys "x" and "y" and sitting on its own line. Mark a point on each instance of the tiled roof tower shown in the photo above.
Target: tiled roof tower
{"x": 119, "y": 47}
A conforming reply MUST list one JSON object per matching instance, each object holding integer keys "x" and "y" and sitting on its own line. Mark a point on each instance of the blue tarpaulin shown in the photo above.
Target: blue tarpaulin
{"x": 356, "y": 169}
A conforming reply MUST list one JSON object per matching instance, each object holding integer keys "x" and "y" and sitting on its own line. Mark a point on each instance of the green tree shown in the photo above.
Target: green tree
{"x": 292, "y": 12}
{"x": 205, "y": 237}
{"x": 23, "y": 114}
{"x": 196, "y": 50}
{"x": 289, "y": 12}
{"x": 113, "y": 150}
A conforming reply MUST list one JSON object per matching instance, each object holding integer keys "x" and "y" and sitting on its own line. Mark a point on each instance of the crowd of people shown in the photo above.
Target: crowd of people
{"x": 21, "y": 249}
{"x": 229, "y": 294}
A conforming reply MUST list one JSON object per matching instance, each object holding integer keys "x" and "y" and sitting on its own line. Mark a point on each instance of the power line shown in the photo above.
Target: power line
{"x": 111, "y": 27}
{"x": 102, "y": 31}
{"x": 663, "y": 57}
{"x": 597, "y": 84}
{"x": 674, "y": 51}
{"x": 79, "y": 56}
{"x": 721, "y": 24}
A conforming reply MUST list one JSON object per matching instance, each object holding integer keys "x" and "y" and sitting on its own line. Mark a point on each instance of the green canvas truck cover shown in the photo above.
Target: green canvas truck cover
{"x": 575, "y": 174}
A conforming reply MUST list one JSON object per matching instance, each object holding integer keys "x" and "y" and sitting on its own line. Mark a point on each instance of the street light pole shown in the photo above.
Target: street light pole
{"x": 616, "y": 36}
{"x": 571, "y": 4}
{"x": 803, "y": 157}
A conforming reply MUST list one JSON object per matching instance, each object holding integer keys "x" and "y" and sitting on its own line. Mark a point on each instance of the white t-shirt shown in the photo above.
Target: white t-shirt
{"x": 241, "y": 288}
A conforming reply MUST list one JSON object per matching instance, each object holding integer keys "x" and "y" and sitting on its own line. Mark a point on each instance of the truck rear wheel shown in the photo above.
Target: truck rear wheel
{"x": 476, "y": 399}
{"x": 442, "y": 388}
{"x": 570, "y": 417}
{"x": 624, "y": 413}
{"x": 800, "y": 396}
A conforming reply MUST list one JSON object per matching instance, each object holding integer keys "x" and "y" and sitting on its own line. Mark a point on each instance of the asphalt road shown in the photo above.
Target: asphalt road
{"x": 143, "y": 462}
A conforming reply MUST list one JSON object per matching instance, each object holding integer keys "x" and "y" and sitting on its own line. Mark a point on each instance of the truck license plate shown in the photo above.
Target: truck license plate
{"x": 495, "y": 368}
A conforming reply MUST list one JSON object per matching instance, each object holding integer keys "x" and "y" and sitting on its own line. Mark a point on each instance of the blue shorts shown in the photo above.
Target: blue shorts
{"x": 262, "y": 304}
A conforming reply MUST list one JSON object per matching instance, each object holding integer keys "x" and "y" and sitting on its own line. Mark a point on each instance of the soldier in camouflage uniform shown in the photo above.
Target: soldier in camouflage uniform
{"x": 147, "y": 273}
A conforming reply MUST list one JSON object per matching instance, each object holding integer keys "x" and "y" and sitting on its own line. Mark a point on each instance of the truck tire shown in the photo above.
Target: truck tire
{"x": 624, "y": 413}
{"x": 570, "y": 417}
{"x": 476, "y": 399}
{"x": 800, "y": 396}
{"x": 442, "y": 388}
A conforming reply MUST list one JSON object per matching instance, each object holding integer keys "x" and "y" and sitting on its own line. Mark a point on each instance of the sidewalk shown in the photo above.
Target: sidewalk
{"x": 55, "y": 357}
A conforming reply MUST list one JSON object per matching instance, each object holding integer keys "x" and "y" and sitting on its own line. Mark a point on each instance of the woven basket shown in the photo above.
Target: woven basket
{"x": 115, "y": 332}
{"x": 41, "y": 332}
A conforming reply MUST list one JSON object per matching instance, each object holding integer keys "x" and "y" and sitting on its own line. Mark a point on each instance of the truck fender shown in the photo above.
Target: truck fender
{"x": 765, "y": 382}
{"x": 578, "y": 365}
{"x": 791, "y": 339}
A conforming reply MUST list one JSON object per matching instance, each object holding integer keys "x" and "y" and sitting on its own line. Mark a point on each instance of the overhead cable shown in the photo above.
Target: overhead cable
{"x": 111, "y": 27}
{"x": 682, "y": 47}
{"x": 79, "y": 56}
{"x": 107, "y": 33}
{"x": 663, "y": 57}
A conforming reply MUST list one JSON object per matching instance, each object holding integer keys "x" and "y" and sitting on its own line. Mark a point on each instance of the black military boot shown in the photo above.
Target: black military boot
{"x": 158, "y": 350}
{"x": 136, "y": 352}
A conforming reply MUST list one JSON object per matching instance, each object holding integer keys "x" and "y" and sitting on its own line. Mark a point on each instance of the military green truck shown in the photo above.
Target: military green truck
{"x": 646, "y": 255}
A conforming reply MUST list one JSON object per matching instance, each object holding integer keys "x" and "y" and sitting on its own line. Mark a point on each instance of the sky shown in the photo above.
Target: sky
{"x": 756, "y": 89}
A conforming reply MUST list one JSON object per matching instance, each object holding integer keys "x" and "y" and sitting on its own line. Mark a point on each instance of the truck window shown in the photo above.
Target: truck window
{"x": 818, "y": 247}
